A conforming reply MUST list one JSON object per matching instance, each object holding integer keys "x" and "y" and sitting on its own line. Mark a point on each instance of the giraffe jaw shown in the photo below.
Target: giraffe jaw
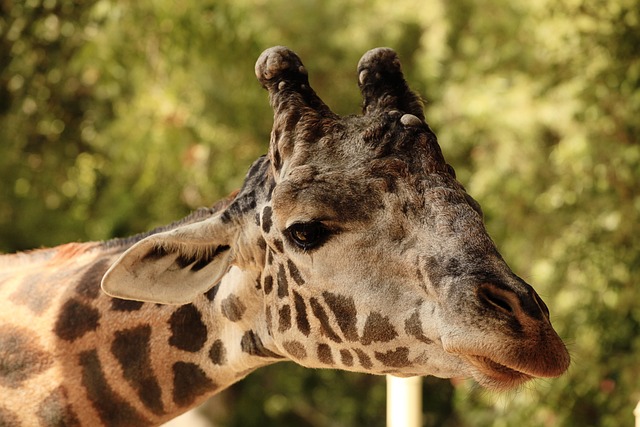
{"x": 495, "y": 375}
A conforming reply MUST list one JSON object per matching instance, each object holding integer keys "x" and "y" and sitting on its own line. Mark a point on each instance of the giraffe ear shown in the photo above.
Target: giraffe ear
{"x": 173, "y": 267}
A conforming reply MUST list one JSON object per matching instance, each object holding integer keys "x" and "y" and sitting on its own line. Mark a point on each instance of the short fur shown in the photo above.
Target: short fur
{"x": 350, "y": 245}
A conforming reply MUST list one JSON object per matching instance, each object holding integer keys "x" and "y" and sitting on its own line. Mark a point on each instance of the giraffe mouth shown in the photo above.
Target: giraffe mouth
{"x": 492, "y": 374}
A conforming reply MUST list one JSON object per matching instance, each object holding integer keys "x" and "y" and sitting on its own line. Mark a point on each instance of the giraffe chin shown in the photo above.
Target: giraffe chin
{"x": 406, "y": 374}
{"x": 496, "y": 376}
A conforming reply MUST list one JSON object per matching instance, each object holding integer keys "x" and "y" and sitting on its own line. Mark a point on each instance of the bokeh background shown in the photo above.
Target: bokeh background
{"x": 118, "y": 116}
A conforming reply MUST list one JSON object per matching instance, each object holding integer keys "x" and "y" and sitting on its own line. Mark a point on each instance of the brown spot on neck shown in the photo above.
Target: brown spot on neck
{"x": 54, "y": 411}
{"x": 188, "y": 332}
{"x": 8, "y": 418}
{"x": 268, "y": 284}
{"x": 33, "y": 293}
{"x": 302, "y": 320}
{"x": 125, "y": 305}
{"x": 132, "y": 349}
{"x": 324, "y": 354}
{"x": 295, "y": 349}
{"x": 378, "y": 329}
{"x": 112, "y": 409}
{"x": 295, "y": 273}
{"x": 189, "y": 382}
{"x": 413, "y": 327}
{"x": 283, "y": 283}
{"x": 218, "y": 353}
{"x": 346, "y": 357}
{"x": 363, "y": 358}
{"x": 344, "y": 309}
{"x": 232, "y": 308}
{"x": 284, "y": 316}
{"x": 252, "y": 344}
{"x": 20, "y": 357}
{"x": 397, "y": 358}
{"x": 325, "y": 327}
{"x": 76, "y": 319}
{"x": 89, "y": 283}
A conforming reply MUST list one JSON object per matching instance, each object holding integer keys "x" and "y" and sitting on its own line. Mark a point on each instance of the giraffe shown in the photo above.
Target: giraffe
{"x": 351, "y": 245}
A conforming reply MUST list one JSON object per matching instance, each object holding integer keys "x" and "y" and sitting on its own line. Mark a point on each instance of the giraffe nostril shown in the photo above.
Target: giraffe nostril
{"x": 495, "y": 300}
{"x": 541, "y": 304}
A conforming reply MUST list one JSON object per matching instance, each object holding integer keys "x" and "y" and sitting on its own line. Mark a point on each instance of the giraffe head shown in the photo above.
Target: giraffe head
{"x": 368, "y": 254}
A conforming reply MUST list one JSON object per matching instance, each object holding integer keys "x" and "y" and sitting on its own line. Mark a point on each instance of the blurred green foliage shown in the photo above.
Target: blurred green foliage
{"x": 118, "y": 116}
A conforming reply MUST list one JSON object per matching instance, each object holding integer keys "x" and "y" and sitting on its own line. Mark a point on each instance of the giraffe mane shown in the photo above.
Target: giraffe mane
{"x": 198, "y": 215}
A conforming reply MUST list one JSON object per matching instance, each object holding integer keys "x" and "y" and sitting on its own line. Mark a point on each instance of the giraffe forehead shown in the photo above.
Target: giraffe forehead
{"x": 334, "y": 195}
{"x": 349, "y": 173}
{"x": 385, "y": 194}
{"x": 365, "y": 149}
{"x": 353, "y": 141}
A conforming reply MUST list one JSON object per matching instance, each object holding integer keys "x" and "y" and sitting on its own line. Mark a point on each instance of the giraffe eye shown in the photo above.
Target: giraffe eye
{"x": 307, "y": 235}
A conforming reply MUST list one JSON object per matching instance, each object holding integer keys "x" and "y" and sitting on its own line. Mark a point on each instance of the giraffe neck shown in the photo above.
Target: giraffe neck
{"x": 121, "y": 362}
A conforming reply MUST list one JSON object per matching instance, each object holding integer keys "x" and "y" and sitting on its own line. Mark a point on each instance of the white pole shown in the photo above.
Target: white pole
{"x": 404, "y": 401}
{"x": 636, "y": 412}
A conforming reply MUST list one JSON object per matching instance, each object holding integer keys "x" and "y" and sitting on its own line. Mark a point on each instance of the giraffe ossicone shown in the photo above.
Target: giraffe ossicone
{"x": 350, "y": 245}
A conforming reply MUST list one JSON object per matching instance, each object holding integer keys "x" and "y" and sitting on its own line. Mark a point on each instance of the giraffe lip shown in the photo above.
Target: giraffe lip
{"x": 492, "y": 374}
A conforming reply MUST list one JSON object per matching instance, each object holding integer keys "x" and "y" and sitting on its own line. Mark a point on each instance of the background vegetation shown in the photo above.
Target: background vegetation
{"x": 117, "y": 116}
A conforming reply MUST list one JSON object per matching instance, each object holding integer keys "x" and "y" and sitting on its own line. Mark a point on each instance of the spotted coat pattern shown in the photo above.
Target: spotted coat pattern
{"x": 350, "y": 245}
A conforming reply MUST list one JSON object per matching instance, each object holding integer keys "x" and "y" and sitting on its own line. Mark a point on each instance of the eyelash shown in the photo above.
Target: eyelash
{"x": 307, "y": 235}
